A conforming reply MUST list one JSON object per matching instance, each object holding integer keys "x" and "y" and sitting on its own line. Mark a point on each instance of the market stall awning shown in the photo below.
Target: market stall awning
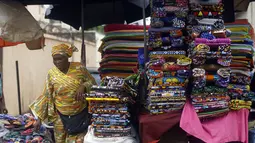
{"x": 7, "y": 44}
{"x": 107, "y": 12}
{"x": 19, "y": 26}
{"x": 42, "y": 2}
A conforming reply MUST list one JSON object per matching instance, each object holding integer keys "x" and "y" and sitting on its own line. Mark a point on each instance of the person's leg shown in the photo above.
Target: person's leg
{"x": 59, "y": 131}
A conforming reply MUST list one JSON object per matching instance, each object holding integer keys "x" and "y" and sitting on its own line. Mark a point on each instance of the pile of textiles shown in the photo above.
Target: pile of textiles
{"x": 211, "y": 58}
{"x": 20, "y": 130}
{"x": 119, "y": 49}
{"x": 169, "y": 68}
{"x": 242, "y": 64}
{"x": 109, "y": 106}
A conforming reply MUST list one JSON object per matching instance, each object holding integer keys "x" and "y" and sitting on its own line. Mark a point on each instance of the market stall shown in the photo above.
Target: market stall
{"x": 218, "y": 72}
{"x": 199, "y": 74}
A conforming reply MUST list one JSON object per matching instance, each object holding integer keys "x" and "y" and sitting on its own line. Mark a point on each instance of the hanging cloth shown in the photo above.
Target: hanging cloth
{"x": 229, "y": 128}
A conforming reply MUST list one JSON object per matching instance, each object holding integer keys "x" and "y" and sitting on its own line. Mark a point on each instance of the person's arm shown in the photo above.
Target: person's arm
{"x": 43, "y": 106}
{"x": 88, "y": 81}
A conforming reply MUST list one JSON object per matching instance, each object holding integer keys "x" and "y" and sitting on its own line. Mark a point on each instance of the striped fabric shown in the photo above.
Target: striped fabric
{"x": 119, "y": 49}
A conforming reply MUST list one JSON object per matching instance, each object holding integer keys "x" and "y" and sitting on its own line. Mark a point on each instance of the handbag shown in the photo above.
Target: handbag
{"x": 77, "y": 123}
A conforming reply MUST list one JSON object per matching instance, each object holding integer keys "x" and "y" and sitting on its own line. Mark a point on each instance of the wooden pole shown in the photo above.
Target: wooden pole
{"x": 83, "y": 46}
{"x": 18, "y": 87}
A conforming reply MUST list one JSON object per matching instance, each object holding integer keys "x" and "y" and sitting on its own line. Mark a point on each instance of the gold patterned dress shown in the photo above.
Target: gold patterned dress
{"x": 59, "y": 94}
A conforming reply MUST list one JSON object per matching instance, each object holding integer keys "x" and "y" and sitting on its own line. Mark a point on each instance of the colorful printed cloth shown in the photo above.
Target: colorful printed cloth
{"x": 59, "y": 93}
{"x": 242, "y": 36}
{"x": 21, "y": 129}
{"x": 109, "y": 107}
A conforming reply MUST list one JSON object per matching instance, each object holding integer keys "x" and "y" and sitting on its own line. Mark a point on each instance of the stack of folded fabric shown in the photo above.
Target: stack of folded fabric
{"x": 211, "y": 58}
{"x": 119, "y": 49}
{"x": 242, "y": 64}
{"x": 108, "y": 105}
{"x": 20, "y": 130}
{"x": 168, "y": 69}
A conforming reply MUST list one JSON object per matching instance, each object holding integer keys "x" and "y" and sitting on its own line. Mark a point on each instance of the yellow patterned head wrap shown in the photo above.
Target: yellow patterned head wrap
{"x": 64, "y": 49}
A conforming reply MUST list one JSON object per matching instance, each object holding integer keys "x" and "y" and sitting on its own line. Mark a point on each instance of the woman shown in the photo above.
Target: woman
{"x": 63, "y": 93}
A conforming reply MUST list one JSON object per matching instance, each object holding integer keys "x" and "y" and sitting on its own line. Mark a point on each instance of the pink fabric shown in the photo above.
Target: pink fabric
{"x": 231, "y": 127}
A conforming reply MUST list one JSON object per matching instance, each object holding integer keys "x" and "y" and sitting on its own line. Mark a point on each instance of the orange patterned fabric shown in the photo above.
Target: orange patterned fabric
{"x": 63, "y": 49}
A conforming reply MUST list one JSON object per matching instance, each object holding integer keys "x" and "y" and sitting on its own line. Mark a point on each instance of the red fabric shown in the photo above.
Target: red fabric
{"x": 6, "y": 44}
{"x": 121, "y": 55}
{"x": 152, "y": 127}
{"x": 116, "y": 27}
{"x": 117, "y": 64}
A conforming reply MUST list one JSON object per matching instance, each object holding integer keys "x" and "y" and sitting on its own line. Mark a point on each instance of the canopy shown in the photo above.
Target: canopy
{"x": 17, "y": 25}
{"x": 7, "y": 44}
{"x": 117, "y": 11}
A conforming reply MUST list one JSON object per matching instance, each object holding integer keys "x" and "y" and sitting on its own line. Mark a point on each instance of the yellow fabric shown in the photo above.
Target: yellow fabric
{"x": 59, "y": 94}
{"x": 239, "y": 29}
{"x": 102, "y": 99}
{"x": 63, "y": 49}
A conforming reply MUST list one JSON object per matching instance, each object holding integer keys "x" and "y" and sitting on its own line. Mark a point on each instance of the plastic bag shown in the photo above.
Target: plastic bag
{"x": 90, "y": 138}
{"x": 17, "y": 24}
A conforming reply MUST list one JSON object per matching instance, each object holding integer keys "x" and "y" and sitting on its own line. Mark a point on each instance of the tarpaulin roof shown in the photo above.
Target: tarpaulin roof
{"x": 7, "y": 44}
{"x": 41, "y": 2}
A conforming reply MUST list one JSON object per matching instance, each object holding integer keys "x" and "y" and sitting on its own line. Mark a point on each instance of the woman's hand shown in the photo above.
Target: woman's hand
{"x": 80, "y": 93}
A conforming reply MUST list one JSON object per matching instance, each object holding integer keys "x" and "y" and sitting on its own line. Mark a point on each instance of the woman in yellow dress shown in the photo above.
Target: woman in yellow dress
{"x": 63, "y": 93}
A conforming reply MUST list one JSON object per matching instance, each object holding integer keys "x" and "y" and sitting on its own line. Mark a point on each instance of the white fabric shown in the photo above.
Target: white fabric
{"x": 17, "y": 24}
{"x": 90, "y": 138}
{"x": 3, "y": 131}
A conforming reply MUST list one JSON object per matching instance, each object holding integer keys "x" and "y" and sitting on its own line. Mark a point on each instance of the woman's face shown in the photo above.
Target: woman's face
{"x": 60, "y": 61}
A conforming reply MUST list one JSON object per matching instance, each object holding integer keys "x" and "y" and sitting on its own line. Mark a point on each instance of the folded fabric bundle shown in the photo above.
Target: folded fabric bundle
{"x": 211, "y": 56}
{"x": 120, "y": 44}
{"x": 242, "y": 36}
{"x": 169, "y": 68}
{"x": 239, "y": 104}
{"x": 109, "y": 107}
{"x": 166, "y": 90}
